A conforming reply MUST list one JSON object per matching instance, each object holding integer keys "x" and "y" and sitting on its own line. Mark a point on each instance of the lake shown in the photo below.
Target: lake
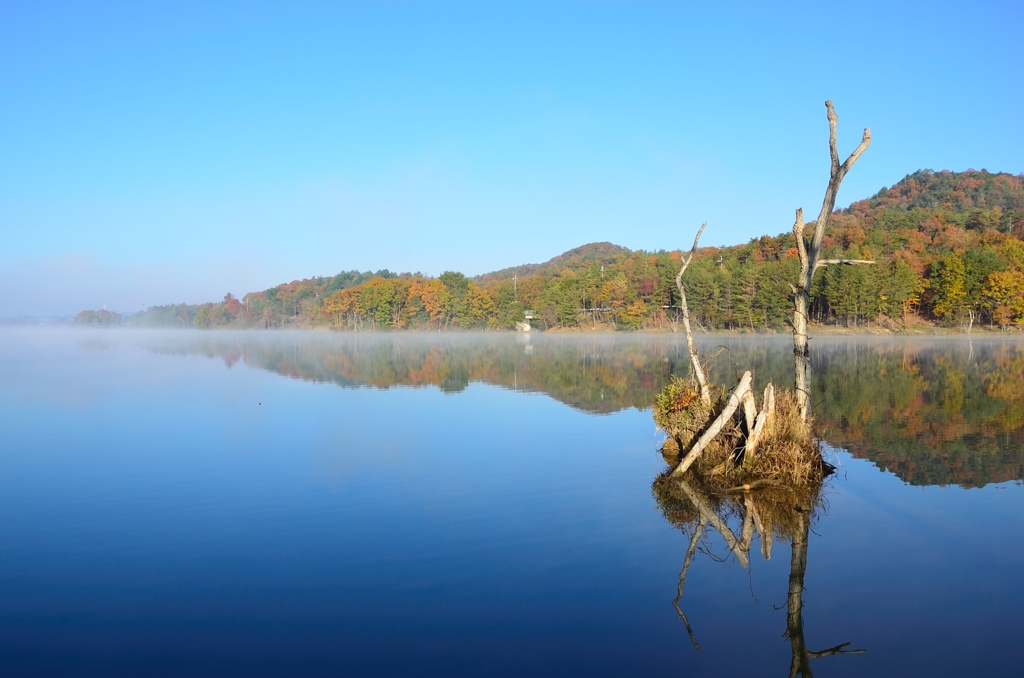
{"x": 202, "y": 503}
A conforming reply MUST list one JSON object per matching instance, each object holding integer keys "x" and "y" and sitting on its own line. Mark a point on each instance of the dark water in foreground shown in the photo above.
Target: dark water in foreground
{"x": 454, "y": 505}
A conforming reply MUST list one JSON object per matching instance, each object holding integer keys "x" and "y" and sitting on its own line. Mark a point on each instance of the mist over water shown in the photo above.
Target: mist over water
{"x": 315, "y": 503}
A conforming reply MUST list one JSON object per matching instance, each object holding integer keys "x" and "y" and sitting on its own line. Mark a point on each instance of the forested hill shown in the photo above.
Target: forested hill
{"x": 948, "y": 247}
{"x": 970, "y": 199}
{"x": 579, "y": 258}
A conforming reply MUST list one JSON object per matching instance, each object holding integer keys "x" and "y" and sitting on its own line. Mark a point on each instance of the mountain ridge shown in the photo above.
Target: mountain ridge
{"x": 602, "y": 253}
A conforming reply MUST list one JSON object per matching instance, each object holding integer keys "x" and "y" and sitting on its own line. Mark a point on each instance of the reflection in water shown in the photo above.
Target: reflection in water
{"x": 769, "y": 514}
{"x": 598, "y": 375}
{"x": 801, "y": 664}
{"x": 932, "y": 411}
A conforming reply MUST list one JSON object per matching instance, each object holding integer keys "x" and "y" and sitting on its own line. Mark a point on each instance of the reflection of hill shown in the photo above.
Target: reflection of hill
{"x": 930, "y": 411}
{"x": 599, "y": 375}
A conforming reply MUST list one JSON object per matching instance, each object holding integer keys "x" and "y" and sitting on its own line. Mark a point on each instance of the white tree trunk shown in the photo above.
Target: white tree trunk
{"x": 698, "y": 370}
{"x": 809, "y": 262}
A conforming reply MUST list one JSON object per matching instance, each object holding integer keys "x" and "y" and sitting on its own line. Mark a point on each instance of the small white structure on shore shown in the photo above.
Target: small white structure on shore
{"x": 525, "y": 325}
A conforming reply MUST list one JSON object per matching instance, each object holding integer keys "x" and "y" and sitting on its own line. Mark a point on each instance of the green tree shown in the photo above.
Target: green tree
{"x": 949, "y": 285}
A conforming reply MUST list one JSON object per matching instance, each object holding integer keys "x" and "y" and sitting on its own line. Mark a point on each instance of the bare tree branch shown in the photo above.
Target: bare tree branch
{"x": 828, "y": 205}
{"x": 698, "y": 371}
{"x": 838, "y": 649}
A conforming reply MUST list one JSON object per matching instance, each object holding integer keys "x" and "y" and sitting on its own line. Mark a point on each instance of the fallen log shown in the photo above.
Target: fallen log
{"x": 730, "y": 408}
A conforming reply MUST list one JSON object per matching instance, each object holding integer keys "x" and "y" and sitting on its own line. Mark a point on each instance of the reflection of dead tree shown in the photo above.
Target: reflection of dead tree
{"x": 766, "y": 535}
{"x": 694, "y": 540}
{"x": 707, "y": 513}
{"x": 801, "y": 663}
{"x": 809, "y": 261}
{"x": 781, "y": 510}
{"x": 740, "y": 546}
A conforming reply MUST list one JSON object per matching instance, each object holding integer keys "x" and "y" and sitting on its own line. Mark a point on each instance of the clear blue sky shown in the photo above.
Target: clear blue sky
{"x": 154, "y": 153}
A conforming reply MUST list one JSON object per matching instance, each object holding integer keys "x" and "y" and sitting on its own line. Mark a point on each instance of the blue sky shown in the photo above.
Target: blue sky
{"x": 155, "y": 153}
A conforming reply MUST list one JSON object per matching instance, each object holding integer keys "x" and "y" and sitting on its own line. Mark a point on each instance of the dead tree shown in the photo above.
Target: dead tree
{"x": 743, "y": 394}
{"x": 698, "y": 371}
{"x": 810, "y": 262}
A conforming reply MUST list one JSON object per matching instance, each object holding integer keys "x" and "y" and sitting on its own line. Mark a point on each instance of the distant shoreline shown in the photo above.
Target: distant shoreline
{"x": 815, "y": 330}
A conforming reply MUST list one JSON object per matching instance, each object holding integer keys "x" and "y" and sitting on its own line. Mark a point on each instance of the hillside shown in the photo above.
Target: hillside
{"x": 578, "y": 258}
{"x": 948, "y": 247}
{"x": 971, "y": 199}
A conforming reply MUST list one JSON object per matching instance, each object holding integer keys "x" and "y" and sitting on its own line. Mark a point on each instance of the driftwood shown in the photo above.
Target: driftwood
{"x": 756, "y": 423}
{"x": 809, "y": 261}
{"x": 698, "y": 371}
{"x": 762, "y": 420}
{"x": 755, "y": 485}
{"x": 716, "y": 427}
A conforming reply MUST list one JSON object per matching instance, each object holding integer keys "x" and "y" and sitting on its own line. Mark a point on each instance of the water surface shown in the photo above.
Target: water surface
{"x": 323, "y": 504}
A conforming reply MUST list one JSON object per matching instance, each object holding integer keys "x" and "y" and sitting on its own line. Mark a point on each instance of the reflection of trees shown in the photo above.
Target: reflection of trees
{"x": 599, "y": 376}
{"x": 929, "y": 411}
{"x": 930, "y": 415}
{"x": 770, "y": 514}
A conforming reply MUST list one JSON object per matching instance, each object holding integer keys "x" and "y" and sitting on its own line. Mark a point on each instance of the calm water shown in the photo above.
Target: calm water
{"x": 314, "y": 504}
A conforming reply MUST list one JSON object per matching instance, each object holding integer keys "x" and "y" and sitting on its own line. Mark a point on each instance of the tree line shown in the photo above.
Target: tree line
{"x": 948, "y": 249}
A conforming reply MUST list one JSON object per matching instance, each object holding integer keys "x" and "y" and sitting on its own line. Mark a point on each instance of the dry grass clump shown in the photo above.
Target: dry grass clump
{"x": 680, "y": 412}
{"x": 787, "y": 452}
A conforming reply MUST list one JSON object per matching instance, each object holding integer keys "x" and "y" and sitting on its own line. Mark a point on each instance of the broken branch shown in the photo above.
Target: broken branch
{"x": 716, "y": 427}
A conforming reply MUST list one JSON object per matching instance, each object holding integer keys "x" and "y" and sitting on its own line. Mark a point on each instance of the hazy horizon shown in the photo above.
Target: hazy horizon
{"x": 170, "y": 153}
